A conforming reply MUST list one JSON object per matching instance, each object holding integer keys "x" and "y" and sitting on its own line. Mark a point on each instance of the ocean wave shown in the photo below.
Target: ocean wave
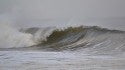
{"x": 76, "y": 38}
{"x": 83, "y": 38}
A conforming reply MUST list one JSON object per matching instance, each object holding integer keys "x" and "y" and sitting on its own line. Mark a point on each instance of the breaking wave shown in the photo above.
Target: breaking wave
{"x": 77, "y": 38}
{"x": 82, "y": 38}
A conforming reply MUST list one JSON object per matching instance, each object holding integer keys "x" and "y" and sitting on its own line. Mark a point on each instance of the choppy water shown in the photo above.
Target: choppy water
{"x": 34, "y": 60}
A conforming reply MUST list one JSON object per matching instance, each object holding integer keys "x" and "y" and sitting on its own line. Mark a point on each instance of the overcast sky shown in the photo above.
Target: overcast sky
{"x": 63, "y": 9}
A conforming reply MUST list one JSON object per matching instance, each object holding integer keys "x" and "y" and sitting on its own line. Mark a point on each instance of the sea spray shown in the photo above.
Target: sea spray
{"x": 10, "y": 37}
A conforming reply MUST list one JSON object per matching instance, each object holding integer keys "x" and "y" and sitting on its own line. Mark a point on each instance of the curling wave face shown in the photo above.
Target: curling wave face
{"x": 85, "y": 38}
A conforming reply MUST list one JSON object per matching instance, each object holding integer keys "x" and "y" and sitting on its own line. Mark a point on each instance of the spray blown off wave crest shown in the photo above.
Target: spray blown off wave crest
{"x": 10, "y": 37}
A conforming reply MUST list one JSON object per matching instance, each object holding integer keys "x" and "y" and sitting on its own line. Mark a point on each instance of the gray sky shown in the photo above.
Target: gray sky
{"x": 64, "y": 9}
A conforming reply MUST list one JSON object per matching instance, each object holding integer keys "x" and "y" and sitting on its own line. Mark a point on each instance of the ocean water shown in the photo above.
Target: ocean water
{"x": 38, "y": 60}
{"x": 61, "y": 48}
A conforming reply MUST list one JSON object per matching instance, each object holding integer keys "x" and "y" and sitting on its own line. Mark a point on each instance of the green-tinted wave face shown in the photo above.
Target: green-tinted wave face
{"x": 58, "y": 35}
